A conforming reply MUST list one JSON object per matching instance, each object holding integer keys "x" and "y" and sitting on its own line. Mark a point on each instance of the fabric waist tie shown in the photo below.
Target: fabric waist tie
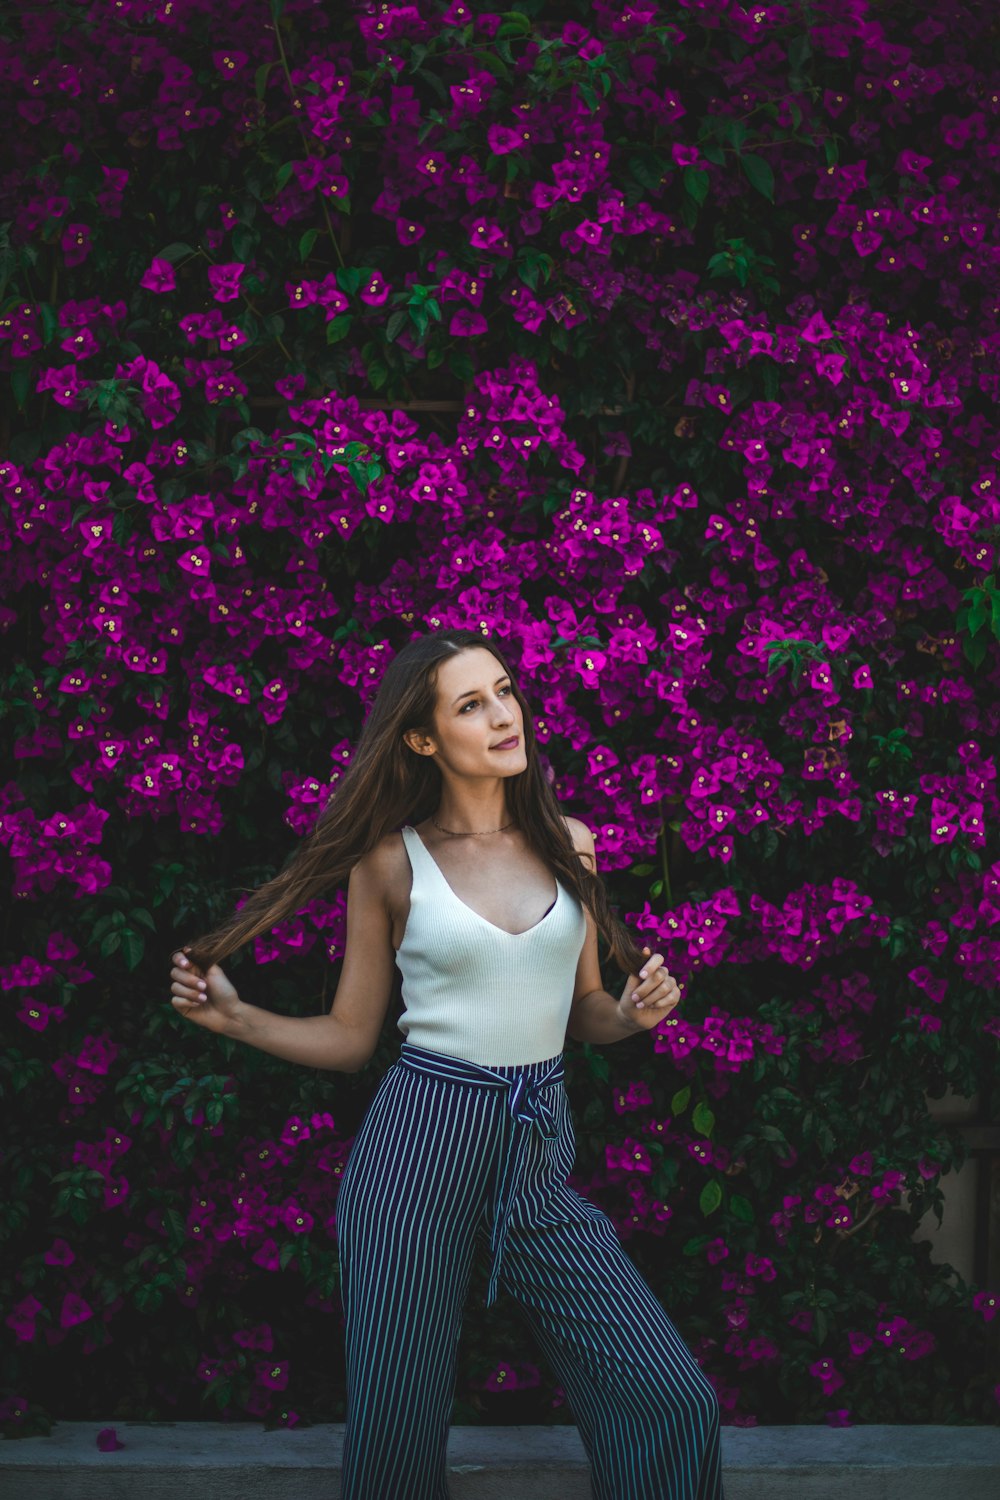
{"x": 527, "y": 1110}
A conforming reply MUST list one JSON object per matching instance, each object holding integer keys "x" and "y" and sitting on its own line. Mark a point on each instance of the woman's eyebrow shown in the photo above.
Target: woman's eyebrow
{"x": 476, "y": 690}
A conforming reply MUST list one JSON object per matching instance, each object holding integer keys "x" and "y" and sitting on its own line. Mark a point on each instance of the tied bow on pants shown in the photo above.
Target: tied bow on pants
{"x": 528, "y": 1110}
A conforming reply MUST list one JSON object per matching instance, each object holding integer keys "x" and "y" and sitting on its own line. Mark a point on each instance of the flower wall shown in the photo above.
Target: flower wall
{"x": 660, "y": 343}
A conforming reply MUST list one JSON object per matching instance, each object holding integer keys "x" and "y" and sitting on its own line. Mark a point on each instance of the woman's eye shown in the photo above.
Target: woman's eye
{"x": 472, "y": 701}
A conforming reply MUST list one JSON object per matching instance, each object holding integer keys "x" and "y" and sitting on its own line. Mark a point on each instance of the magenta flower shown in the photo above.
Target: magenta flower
{"x": 75, "y": 243}
{"x": 159, "y": 277}
{"x": 375, "y": 290}
{"x": 229, "y": 61}
{"x": 467, "y": 323}
{"x": 224, "y": 280}
{"x": 827, "y": 1374}
{"x": 502, "y": 1377}
{"x": 409, "y": 231}
{"x": 987, "y": 1304}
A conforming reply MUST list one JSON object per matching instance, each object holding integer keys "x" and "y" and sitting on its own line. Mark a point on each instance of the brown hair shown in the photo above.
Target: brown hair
{"x": 388, "y": 784}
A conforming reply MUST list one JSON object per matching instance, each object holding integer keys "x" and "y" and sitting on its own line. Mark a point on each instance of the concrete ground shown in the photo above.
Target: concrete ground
{"x": 242, "y": 1461}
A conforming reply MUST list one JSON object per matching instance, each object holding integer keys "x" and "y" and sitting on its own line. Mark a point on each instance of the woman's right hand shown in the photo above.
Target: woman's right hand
{"x": 207, "y": 999}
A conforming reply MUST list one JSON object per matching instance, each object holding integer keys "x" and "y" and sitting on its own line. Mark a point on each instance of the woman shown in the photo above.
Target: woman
{"x": 468, "y": 1140}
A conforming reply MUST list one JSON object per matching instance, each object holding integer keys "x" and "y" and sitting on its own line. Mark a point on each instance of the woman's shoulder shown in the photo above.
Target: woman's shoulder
{"x": 583, "y": 840}
{"x": 578, "y": 832}
{"x": 387, "y": 861}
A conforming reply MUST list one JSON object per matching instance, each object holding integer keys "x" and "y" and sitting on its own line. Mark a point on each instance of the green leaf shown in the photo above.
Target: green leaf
{"x": 461, "y": 365}
{"x": 977, "y": 613}
{"x": 975, "y": 651}
{"x": 741, "y": 1208}
{"x": 378, "y": 374}
{"x": 798, "y": 51}
{"x": 133, "y": 947}
{"x": 338, "y": 328}
{"x": 359, "y": 475}
{"x": 306, "y": 243}
{"x": 260, "y": 83}
{"x": 649, "y": 169}
{"x": 702, "y": 1118}
{"x": 760, "y": 175}
{"x": 995, "y": 612}
{"x": 696, "y": 183}
{"x": 397, "y": 322}
{"x": 49, "y": 322}
{"x": 514, "y": 23}
{"x": 349, "y": 278}
{"x": 710, "y": 1197}
{"x": 680, "y": 1101}
{"x": 21, "y": 378}
{"x": 245, "y": 241}
{"x": 174, "y": 252}
{"x": 597, "y": 1063}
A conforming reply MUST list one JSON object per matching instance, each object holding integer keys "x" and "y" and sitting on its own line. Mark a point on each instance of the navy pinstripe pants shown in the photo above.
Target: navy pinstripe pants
{"x": 451, "y": 1157}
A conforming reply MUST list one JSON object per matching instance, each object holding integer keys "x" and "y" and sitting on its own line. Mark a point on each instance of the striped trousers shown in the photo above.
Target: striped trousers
{"x": 450, "y": 1158}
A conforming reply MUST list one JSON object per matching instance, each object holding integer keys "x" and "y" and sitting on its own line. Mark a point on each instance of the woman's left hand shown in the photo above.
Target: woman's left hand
{"x": 649, "y": 995}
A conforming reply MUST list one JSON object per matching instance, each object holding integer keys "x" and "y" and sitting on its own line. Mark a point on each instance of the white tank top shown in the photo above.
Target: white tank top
{"x": 472, "y": 989}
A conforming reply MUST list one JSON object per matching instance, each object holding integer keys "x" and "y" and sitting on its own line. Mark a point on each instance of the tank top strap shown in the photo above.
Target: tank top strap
{"x": 421, "y": 862}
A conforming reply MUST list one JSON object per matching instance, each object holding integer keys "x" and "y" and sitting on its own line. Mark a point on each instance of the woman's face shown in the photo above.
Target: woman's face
{"x": 475, "y": 711}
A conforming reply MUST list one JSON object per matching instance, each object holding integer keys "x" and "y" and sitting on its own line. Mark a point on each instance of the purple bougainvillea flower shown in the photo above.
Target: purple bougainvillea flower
{"x": 375, "y": 290}
{"x": 225, "y": 280}
{"x": 502, "y": 139}
{"x": 229, "y": 61}
{"x": 467, "y": 323}
{"x": 987, "y": 1304}
{"x": 75, "y": 243}
{"x": 409, "y": 231}
{"x": 159, "y": 277}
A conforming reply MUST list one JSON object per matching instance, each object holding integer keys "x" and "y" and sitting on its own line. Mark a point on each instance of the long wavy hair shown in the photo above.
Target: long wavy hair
{"x": 388, "y": 784}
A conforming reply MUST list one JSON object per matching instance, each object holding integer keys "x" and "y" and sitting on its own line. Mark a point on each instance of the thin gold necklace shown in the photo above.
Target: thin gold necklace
{"x": 470, "y": 832}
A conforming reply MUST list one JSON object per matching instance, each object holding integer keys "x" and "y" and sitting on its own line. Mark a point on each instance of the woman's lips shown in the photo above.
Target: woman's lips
{"x": 510, "y": 744}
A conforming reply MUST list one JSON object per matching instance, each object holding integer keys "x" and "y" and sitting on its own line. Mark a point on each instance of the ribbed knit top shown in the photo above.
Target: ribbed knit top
{"x": 474, "y": 990}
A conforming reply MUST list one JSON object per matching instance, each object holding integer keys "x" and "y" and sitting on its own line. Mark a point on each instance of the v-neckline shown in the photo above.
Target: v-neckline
{"x": 524, "y": 931}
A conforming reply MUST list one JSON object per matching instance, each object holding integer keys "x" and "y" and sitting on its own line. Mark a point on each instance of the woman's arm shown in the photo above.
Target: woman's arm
{"x": 345, "y": 1038}
{"x": 595, "y": 1016}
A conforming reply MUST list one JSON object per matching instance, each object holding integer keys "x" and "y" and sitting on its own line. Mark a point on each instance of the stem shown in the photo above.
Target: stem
{"x": 291, "y": 89}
